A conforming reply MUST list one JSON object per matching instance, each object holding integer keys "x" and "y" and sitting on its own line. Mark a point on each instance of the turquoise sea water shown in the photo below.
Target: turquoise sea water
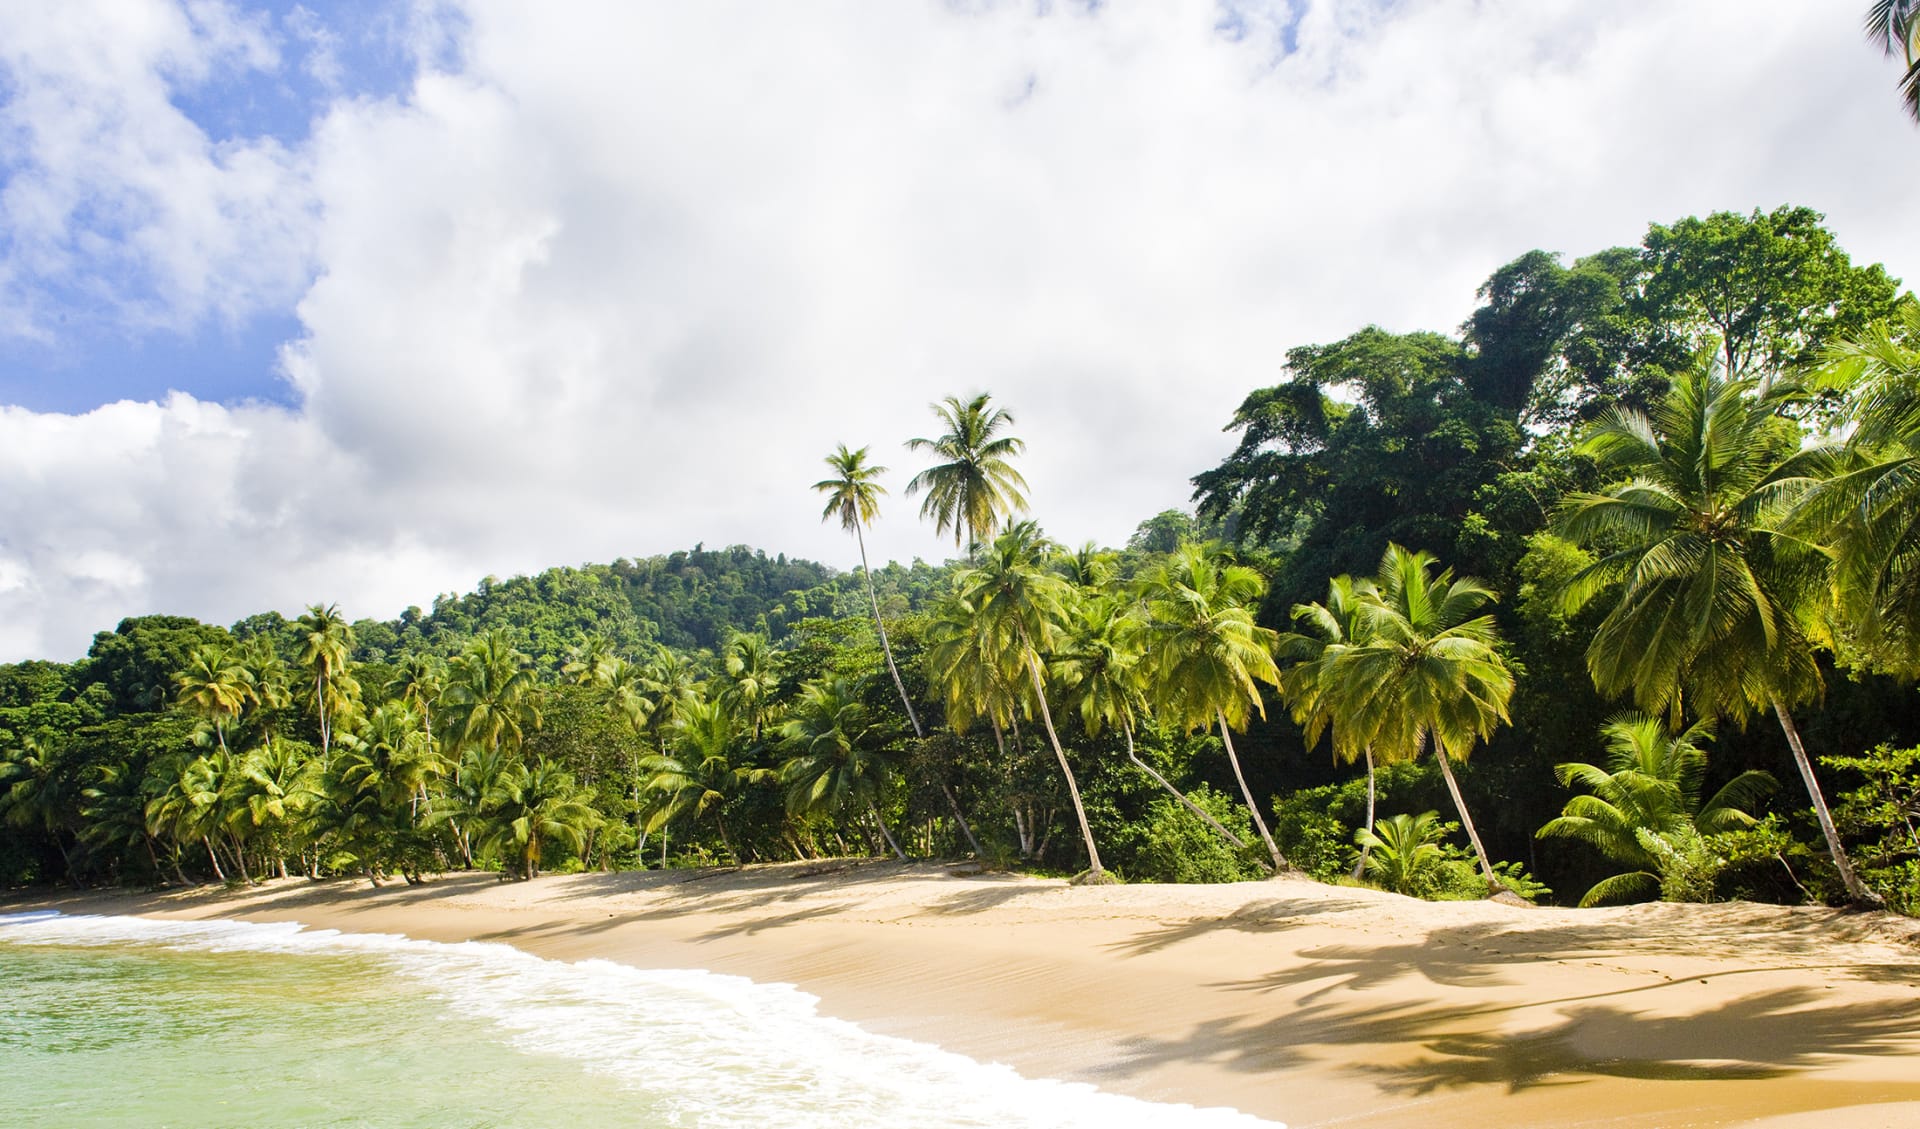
{"x": 116, "y": 1021}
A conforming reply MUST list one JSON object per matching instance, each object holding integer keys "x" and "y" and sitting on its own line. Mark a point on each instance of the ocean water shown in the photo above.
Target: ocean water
{"x": 121, "y": 1021}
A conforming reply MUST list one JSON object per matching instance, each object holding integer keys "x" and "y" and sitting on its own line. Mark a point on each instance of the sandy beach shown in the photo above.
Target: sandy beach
{"x": 1302, "y": 1003}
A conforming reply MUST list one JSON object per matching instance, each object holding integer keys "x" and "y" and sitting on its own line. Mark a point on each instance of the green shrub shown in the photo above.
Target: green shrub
{"x": 1177, "y": 846}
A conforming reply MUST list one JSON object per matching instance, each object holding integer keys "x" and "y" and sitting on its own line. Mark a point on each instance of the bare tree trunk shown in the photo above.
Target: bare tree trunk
{"x": 1856, "y": 890}
{"x": 888, "y": 835}
{"x": 1360, "y": 864}
{"x": 1226, "y": 735}
{"x": 1237, "y": 841}
{"x": 965, "y": 828}
{"x": 1466, "y": 820}
{"x": 218, "y": 874}
{"x": 1073, "y": 786}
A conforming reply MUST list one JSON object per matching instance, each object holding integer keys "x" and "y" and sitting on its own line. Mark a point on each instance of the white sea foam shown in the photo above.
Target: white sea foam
{"x": 708, "y": 1050}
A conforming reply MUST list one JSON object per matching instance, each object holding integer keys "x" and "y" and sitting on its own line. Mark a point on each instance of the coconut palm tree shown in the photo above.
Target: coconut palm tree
{"x": 853, "y": 495}
{"x": 1717, "y": 606}
{"x": 1311, "y": 681}
{"x": 326, "y": 641}
{"x": 491, "y": 697}
{"x": 1098, "y": 669}
{"x": 701, "y": 772}
{"x": 38, "y": 790}
{"x": 1422, "y": 669}
{"x": 751, "y": 678}
{"x": 1869, "y": 509}
{"x": 1649, "y": 791}
{"x": 975, "y": 484}
{"x": 215, "y": 685}
{"x": 539, "y": 804}
{"x": 1018, "y": 608}
{"x": 837, "y": 754}
{"x": 1206, "y": 658}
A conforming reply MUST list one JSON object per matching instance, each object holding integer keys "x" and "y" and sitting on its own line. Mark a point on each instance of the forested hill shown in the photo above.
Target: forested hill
{"x": 685, "y": 600}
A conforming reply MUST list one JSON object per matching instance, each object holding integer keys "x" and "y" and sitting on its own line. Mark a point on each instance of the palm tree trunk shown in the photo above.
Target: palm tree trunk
{"x": 1246, "y": 793}
{"x": 1360, "y": 864}
{"x": 965, "y": 827}
{"x": 886, "y": 648}
{"x": 1143, "y": 766}
{"x": 1073, "y": 786}
{"x": 218, "y": 874}
{"x": 1466, "y": 820}
{"x": 888, "y": 835}
{"x": 1856, "y": 890}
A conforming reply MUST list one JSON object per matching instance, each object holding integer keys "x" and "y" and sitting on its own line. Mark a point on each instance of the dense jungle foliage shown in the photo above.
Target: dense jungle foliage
{"x": 1609, "y": 594}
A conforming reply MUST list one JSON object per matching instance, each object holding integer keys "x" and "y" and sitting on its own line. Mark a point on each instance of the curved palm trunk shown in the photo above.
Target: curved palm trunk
{"x": 1360, "y": 864}
{"x": 1246, "y": 793}
{"x": 886, "y": 648}
{"x": 1073, "y": 786}
{"x": 1466, "y": 820}
{"x": 1143, "y": 766}
{"x": 1856, "y": 890}
{"x": 886, "y": 834}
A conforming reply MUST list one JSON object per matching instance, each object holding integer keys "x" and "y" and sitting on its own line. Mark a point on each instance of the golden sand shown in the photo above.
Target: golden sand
{"x": 1303, "y": 1003}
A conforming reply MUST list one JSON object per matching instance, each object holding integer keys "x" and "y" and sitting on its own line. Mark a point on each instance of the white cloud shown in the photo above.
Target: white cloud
{"x": 617, "y": 280}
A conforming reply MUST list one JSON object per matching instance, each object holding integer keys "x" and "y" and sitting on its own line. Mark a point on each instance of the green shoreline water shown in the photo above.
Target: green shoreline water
{"x": 152, "y": 1037}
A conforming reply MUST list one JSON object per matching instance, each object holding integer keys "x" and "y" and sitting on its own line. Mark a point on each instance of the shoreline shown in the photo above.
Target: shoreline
{"x": 1293, "y": 1001}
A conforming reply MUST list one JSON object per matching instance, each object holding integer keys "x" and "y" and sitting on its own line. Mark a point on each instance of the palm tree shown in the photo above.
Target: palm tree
{"x": 853, "y": 495}
{"x": 1099, "y": 670}
{"x": 37, "y": 789}
{"x": 326, "y": 640}
{"x": 1870, "y": 509}
{"x": 491, "y": 697}
{"x": 1018, "y": 608}
{"x": 700, "y": 774}
{"x": 974, "y": 484}
{"x": 1423, "y": 669}
{"x": 1402, "y": 853}
{"x": 836, "y": 754}
{"x": 1894, "y": 27}
{"x": 537, "y": 805}
{"x": 1206, "y": 658}
{"x": 751, "y": 678}
{"x": 1649, "y": 791}
{"x": 1717, "y": 604}
{"x": 215, "y": 686}
{"x": 1311, "y": 681}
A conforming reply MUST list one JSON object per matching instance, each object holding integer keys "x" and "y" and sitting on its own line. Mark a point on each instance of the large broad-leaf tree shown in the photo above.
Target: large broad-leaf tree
{"x": 1716, "y": 608}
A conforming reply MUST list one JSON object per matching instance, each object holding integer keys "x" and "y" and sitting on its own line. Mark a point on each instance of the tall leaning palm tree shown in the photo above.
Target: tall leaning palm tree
{"x": 1718, "y": 607}
{"x": 853, "y": 495}
{"x": 974, "y": 485}
{"x": 1206, "y": 656}
{"x": 1019, "y": 606}
{"x": 1422, "y": 669}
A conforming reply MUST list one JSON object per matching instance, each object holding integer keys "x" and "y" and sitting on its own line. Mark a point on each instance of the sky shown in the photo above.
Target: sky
{"x": 362, "y": 302}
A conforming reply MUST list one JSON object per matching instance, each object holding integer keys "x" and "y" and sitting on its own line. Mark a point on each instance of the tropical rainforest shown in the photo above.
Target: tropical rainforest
{"x": 1608, "y": 594}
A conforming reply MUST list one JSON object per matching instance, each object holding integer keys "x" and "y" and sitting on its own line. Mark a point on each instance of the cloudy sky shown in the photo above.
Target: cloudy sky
{"x": 361, "y": 302}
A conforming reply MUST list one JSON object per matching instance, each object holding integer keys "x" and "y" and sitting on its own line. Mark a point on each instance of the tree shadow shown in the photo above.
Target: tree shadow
{"x": 1273, "y": 915}
{"x": 1760, "y": 1036}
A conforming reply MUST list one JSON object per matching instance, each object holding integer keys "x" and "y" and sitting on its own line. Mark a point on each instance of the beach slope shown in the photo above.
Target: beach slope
{"x": 1303, "y": 1003}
